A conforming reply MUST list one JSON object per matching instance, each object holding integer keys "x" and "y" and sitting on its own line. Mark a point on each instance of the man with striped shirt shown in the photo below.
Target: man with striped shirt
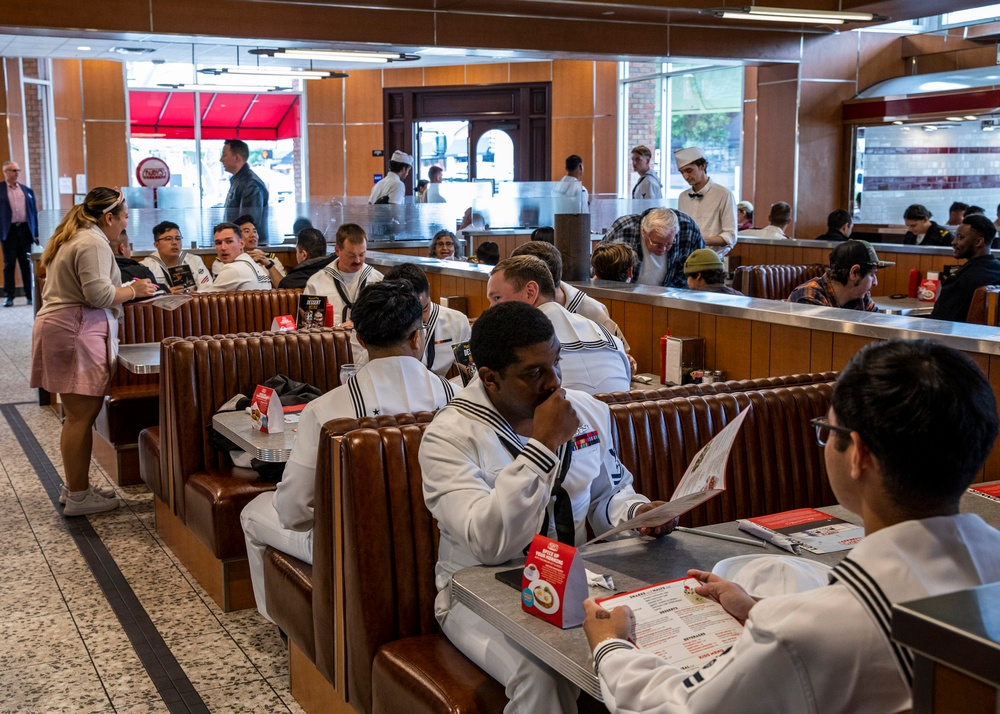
{"x": 909, "y": 427}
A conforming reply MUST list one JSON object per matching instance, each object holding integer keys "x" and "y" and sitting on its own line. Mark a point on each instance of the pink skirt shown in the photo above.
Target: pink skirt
{"x": 69, "y": 352}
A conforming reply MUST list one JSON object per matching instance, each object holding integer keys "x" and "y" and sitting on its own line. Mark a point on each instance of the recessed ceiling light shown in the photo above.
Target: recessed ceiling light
{"x": 780, "y": 14}
{"x": 897, "y": 122}
{"x": 133, "y": 50}
{"x": 335, "y": 55}
{"x": 970, "y": 117}
{"x": 954, "y": 118}
{"x": 83, "y": 48}
{"x": 285, "y": 72}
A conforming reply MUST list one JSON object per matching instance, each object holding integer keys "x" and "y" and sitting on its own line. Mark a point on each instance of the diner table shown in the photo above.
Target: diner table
{"x": 633, "y": 563}
{"x": 912, "y": 307}
{"x": 238, "y": 428}
{"x": 140, "y": 358}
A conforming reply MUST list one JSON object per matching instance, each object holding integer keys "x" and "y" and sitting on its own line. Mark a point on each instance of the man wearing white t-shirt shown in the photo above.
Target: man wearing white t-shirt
{"x": 239, "y": 271}
{"x": 712, "y": 206}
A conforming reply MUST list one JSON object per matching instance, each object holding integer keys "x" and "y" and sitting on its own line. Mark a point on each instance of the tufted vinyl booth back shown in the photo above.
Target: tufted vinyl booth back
{"x": 205, "y": 314}
{"x": 390, "y": 550}
{"x": 985, "y": 306}
{"x": 201, "y": 373}
{"x": 775, "y": 464}
{"x": 774, "y": 282}
{"x": 733, "y": 385}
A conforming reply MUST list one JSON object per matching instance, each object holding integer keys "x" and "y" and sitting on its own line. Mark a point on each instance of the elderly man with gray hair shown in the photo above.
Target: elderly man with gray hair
{"x": 662, "y": 239}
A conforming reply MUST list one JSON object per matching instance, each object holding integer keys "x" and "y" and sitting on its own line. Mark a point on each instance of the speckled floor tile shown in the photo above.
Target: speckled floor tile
{"x": 283, "y": 689}
{"x": 179, "y": 617}
{"x": 23, "y": 597}
{"x": 259, "y": 640}
{"x": 211, "y": 662}
{"x": 124, "y": 677}
{"x": 52, "y": 637}
{"x": 55, "y": 688}
{"x": 250, "y": 698}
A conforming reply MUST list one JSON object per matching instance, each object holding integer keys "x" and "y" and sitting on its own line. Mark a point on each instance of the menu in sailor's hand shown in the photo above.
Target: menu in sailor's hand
{"x": 677, "y": 624}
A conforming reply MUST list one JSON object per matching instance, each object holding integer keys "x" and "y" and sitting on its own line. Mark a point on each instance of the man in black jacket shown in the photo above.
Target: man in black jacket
{"x": 310, "y": 251}
{"x": 131, "y": 269}
{"x": 839, "y": 225}
{"x": 247, "y": 192}
{"x": 972, "y": 244}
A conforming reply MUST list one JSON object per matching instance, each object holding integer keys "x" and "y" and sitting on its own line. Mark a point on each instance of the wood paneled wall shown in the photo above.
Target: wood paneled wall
{"x": 91, "y": 130}
{"x": 345, "y": 118}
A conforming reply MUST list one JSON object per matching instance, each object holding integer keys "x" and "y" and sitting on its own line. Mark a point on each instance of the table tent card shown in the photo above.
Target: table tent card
{"x": 283, "y": 323}
{"x": 554, "y": 583}
{"x": 312, "y": 311}
{"x": 265, "y": 411}
{"x": 704, "y": 479}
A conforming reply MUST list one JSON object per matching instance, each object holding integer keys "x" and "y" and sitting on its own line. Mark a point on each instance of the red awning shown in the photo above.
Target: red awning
{"x": 224, "y": 115}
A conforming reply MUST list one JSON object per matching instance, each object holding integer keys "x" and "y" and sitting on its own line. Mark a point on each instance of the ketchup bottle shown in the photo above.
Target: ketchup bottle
{"x": 663, "y": 357}
{"x": 914, "y": 282}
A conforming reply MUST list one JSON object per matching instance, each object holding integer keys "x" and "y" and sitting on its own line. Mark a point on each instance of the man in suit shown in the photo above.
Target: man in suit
{"x": 18, "y": 230}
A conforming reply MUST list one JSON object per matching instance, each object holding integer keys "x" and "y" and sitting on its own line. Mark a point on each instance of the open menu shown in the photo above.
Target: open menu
{"x": 674, "y": 622}
{"x": 705, "y": 478}
{"x": 989, "y": 490}
{"x": 809, "y": 529}
{"x": 182, "y": 276}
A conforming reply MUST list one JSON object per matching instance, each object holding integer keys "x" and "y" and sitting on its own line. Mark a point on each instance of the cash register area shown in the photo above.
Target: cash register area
{"x": 73, "y": 590}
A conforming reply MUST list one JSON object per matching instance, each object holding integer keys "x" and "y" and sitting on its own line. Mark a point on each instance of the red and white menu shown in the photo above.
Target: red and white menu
{"x": 554, "y": 583}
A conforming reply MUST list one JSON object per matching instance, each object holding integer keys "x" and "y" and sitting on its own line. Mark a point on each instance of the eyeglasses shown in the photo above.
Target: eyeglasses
{"x": 823, "y": 429}
{"x": 169, "y": 239}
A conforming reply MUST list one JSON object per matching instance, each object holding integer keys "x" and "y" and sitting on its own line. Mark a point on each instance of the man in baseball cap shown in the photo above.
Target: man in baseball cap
{"x": 704, "y": 271}
{"x": 710, "y": 205}
{"x": 392, "y": 188}
{"x": 848, "y": 282}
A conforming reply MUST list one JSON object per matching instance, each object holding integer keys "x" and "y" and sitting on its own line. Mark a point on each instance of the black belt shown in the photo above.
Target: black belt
{"x": 15, "y": 225}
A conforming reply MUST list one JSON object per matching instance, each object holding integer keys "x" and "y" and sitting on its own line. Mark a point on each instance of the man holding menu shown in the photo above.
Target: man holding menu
{"x": 909, "y": 427}
{"x": 513, "y": 455}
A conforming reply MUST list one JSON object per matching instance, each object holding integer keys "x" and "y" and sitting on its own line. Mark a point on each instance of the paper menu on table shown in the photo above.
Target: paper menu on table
{"x": 675, "y": 623}
{"x": 704, "y": 478}
{"x": 989, "y": 490}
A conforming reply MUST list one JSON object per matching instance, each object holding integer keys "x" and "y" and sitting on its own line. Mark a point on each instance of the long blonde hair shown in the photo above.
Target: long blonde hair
{"x": 83, "y": 215}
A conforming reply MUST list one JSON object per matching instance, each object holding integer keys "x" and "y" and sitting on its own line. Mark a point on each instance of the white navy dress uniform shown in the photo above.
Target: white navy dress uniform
{"x": 283, "y": 519}
{"x": 445, "y": 328}
{"x": 591, "y": 359}
{"x": 202, "y": 277}
{"x": 824, "y": 651}
{"x": 242, "y": 274}
{"x": 342, "y": 290}
{"x": 580, "y": 303}
{"x": 489, "y": 504}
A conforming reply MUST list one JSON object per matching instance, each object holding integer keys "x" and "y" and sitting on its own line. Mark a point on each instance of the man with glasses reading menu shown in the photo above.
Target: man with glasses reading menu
{"x": 910, "y": 425}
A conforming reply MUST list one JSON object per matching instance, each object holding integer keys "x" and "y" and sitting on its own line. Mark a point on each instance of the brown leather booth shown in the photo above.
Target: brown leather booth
{"x": 774, "y": 282}
{"x": 199, "y": 518}
{"x": 775, "y": 465}
{"x": 985, "y": 306}
{"x": 133, "y": 403}
{"x": 732, "y": 385}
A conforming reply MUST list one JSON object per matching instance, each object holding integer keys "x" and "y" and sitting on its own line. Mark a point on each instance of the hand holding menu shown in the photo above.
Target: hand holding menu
{"x": 676, "y": 623}
{"x": 705, "y": 478}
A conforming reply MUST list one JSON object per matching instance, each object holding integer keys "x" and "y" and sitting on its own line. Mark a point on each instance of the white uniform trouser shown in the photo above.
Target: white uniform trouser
{"x": 531, "y": 686}
{"x": 261, "y": 529}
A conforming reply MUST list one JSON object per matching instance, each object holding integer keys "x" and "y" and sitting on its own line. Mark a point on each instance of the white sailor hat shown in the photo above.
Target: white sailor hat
{"x": 683, "y": 157}
{"x": 401, "y": 158}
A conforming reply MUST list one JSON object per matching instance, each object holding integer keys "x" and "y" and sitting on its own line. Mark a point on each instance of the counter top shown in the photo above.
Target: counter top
{"x": 830, "y": 245}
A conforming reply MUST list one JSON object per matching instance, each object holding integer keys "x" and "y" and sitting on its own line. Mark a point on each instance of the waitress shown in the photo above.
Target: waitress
{"x": 74, "y": 343}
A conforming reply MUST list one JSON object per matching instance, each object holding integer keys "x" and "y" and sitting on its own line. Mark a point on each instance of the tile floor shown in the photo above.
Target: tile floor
{"x": 62, "y": 649}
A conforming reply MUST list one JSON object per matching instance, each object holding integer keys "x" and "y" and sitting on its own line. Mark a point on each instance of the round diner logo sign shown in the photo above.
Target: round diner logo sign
{"x": 152, "y": 172}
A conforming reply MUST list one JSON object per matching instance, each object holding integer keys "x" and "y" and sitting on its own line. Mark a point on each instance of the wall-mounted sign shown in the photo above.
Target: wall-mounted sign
{"x": 378, "y": 152}
{"x": 376, "y": 178}
{"x": 152, "y": 172}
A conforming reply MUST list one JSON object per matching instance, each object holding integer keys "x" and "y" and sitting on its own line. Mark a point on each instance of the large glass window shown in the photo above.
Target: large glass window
{"x": 669, "y": 106}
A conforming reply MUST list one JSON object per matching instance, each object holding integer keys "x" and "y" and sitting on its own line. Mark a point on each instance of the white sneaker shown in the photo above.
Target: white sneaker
{"x": 105, "y": 491}
{"x": 91, "y": 502}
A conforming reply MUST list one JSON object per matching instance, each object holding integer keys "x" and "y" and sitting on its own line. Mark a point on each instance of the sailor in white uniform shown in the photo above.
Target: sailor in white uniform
{"x": 592, "y": 359}
{"x": 932, "y": 416}
{"x": 511, "y": 456}
{"x": 445, "y": 327}
{"x": 343, "y": 280}
{"x": 238, "y": 271}
{"x": 392, "y": 382}
{"x": 168, "y": 242}
{"x": 573, "y": 299}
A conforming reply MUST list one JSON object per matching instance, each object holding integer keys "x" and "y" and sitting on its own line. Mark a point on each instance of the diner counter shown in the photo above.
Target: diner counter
{"x": 830, "y": 244}
{"x": 969, "y": 338}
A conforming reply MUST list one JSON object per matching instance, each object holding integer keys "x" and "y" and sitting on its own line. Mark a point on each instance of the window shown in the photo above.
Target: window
{"x": 669, "y": 106}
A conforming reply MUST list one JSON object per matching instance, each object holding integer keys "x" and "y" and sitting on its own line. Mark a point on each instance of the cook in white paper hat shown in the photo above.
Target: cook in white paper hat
{"x": 401, "y": 157}
{"x": 683, "y": 157}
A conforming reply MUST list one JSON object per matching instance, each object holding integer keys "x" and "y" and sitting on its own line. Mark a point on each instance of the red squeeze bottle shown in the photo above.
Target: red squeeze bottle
{"x": 914, "y": 282}
{"x": 328, "y": 320}
{"x": 663, "y": 357}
